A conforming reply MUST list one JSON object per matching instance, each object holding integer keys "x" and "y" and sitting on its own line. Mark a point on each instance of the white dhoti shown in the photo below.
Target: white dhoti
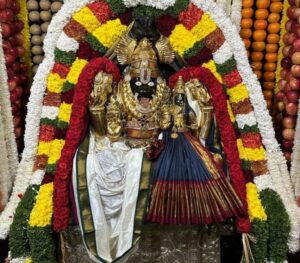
{"x": 106, "y": 206}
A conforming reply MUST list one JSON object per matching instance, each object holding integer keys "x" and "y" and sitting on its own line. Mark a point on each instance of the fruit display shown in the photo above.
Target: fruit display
{"x": 16, "y": 69}
{"x": 289, "y": 76}
{"x": 40, "y": 14}
{"x": 260, "y": 32}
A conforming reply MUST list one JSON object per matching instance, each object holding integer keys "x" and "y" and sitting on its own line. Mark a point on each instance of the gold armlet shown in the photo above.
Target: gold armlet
{"x": 114, "y": 120}
{"x": 98, "y": 121}
{"x": 206, "y": 121}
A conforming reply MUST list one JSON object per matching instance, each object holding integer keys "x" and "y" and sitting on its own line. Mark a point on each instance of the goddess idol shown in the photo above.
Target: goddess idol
{"x": 152, "y": 156}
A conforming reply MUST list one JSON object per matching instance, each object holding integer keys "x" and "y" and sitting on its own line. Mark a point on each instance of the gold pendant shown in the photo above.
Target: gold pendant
{"x": 174, "y": 135}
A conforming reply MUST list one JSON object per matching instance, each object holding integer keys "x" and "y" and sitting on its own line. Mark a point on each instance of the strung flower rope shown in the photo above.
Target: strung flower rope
{"x": 23, "y": 16}
{"x": 9, "y": 160}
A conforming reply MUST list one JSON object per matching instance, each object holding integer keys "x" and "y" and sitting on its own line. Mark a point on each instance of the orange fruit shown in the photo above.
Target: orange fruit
{"x": 259, "y": 35}
{"x": 248, "y": 53}
{"x": 268, "y": 85}
{"x": 261, "y": 13}
{"x": 246, "y": 33}
{"x": 273, "y": 18}
{"x": 273, "y": 38}
{"x": 247, "y": 3}
{"x": 271, "y": 57}
{"x": 246, "y": 23}
{"x": 257, "y": 56}
{"x": 269, "y": 76}
{"x": 257, "y": 73}
{"x": 260, "y": 24}
{"x": 247, "y": 12}
{"x": 270, "y": 67}
{"x": 274, "y": 28}
{"x": 258, "y": 46}
{"x": 271, "y": 48}
{"x": 247, "y": 42}
{"x": 256, "y": 65}
{"x": 268, "y": 94}
{"x": 260, "y": 4}
{"x": 276, "y": 7}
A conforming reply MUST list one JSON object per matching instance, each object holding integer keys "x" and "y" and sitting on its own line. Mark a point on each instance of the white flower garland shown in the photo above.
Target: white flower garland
{"x": 276, "y": 162}
{"x": 295, "y": 164}
{"x": 236, "y": 13}
{"x": 35, "y": 106}
{"x": 163, "y": 5}
{"x": 9, "y": 154}
{"x": 277, "y": 166}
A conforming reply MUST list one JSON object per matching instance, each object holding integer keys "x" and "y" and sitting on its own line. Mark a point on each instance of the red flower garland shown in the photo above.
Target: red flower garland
{"x": 190, "y": 17}
{"x": 73, "y": 137}
{"x": 227, "y": 134}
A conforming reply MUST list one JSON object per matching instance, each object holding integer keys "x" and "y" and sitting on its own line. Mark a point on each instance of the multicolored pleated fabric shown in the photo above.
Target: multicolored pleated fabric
{"x": 188, "y": 187}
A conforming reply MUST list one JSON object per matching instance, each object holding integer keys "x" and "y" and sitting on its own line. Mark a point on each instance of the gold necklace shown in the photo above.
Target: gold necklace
{"x": 131, "y": 105}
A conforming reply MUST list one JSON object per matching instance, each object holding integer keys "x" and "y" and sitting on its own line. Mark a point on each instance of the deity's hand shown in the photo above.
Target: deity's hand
{"x": 200, "y": 93}
{"x": 101, "y": 89}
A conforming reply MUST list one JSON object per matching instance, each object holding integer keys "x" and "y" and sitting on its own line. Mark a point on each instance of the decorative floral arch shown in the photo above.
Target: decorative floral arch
{"x": 200, "y": 33}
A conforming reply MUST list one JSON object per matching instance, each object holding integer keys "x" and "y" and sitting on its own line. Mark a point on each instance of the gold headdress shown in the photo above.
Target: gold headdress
{"x": 179, "y": 86}
{"x": 142, "y": 57}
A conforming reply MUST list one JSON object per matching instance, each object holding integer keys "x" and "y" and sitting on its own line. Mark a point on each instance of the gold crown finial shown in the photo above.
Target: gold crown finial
{"x": 179, "y": 86}
{"x": 144, "y": 61}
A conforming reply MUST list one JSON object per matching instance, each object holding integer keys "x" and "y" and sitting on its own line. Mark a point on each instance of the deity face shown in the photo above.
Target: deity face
{"x": 143, "y": 92}
{"x": 179, "y": 99}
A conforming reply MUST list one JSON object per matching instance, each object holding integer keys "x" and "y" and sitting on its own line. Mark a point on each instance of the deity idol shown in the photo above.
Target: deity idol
{"x": 151, "y": 157}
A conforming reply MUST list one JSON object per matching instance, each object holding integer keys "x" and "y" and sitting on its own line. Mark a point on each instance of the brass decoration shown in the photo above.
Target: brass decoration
{"x": 200, "y": 94}
{"x": 114, "y": 119}
{"x": 125, "y": 49}
{"x": 98, "y": 97}
{"x": 165, "y": 52}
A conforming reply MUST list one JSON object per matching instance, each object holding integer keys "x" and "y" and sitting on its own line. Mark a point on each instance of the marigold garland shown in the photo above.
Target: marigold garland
{"x": 40, "y": 215}
{"x": 256, "y": 211}
{"x": 221, "y": 70}
{"x": 283, "y": 21}
{"x": 23, "y": 16}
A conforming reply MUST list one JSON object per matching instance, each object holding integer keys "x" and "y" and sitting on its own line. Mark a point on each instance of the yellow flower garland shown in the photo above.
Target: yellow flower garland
{"x": 250, "y": 154}
{"x": 204, "y": 27}
{"x": 65, "y": 111}
{"x": 23, "y": 16}
{"x": 75, "y": 70}
{"x": 255, "y": 208}
{"x": 41, "y": 213}
{"x": 55, "y": 83}
{"x": 182, "y": 39}
{"x": 238, "y": 93}
{"x": 55, "y": 150}
{"x": 284, "y": 19}
{"x": 86, "y": 18}
{"x": 109, "y": 32}
{"x": 44, "y": 148}
{"x": 211, "y": 65}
